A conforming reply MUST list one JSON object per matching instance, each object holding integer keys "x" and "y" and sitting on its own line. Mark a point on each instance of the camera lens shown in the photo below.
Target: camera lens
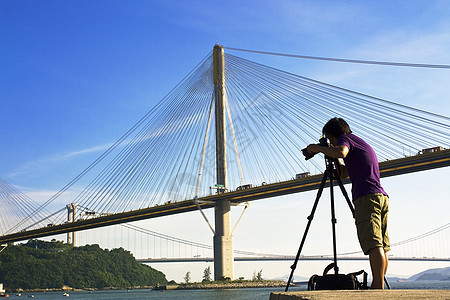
{"x": 307, "y": 154}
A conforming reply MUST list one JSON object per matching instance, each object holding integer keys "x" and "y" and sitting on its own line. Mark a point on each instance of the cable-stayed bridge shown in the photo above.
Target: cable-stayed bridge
{"x": 230, "y": 132}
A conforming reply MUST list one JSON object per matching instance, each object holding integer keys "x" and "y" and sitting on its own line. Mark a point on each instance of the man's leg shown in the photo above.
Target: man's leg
{"x": 384, "y": 221}
{"x": 386, "y": 265}
{"x": 378, "y": 264}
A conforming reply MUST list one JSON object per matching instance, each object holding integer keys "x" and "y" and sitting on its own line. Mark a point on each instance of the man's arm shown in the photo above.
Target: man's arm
{"x": 333, "y": 151}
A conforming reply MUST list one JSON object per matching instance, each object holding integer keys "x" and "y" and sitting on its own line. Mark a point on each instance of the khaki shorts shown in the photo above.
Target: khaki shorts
{"x": 371, "y": 217}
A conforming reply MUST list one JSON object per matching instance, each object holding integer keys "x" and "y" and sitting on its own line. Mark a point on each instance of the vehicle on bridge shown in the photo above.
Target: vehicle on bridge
{"x": 431, "y": 150}
{"x": 244, "y": 187}
{"x": 302, "y": 175}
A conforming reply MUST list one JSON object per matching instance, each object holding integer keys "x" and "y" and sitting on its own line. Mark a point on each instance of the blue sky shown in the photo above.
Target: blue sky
{"x": 76, "y": 75}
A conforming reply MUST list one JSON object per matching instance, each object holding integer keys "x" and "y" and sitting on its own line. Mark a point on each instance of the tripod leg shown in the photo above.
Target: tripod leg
{"x": 333, "y": 227}
{"x": 387, "y": 283}
{"x": 310, "y": 218}
{"x": 344, "y": 192}
{"x": 335, "y": 176}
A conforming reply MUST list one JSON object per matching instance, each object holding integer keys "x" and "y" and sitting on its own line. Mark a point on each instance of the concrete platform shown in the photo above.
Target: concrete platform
{"x": 362, "y": 295}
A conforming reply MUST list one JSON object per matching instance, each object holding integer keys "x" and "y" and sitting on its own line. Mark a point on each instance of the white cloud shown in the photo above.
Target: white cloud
{"x": 402, "y": 46}
{"x": 424, "y": 88}
{"x": 55, "y": 159}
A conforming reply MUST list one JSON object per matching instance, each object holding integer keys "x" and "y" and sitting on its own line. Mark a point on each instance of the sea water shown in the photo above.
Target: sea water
{"x": 221, "y": 294}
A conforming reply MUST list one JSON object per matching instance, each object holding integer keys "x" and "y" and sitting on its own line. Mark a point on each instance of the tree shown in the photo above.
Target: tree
{"x": 259, "y": 276}
{"x": 207, "y": 274}
{"x": 187, "y": 278}
{"x": 55, "y": 264}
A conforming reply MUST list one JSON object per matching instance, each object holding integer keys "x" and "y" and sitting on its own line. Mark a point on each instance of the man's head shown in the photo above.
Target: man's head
{"x": 335, "y": 128}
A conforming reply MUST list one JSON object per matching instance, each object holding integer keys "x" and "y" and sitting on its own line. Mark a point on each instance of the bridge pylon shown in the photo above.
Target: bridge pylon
{"x": 223, "y": 240}
{"x": 71, "y": 217}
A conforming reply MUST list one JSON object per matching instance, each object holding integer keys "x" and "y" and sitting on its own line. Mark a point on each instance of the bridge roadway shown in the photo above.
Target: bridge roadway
{"x": 388, "y": 168}
{"x": 282, "y": 258}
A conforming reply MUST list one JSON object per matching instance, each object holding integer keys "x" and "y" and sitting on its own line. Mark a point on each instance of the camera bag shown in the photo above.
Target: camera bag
{"x": 337, "y": 282}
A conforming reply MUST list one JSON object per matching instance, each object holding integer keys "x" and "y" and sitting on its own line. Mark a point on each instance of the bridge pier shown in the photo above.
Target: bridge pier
{"x": 223, "y": 241}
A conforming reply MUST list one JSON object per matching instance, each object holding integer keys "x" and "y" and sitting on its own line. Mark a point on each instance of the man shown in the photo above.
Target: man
{"x": 370, "y": 200}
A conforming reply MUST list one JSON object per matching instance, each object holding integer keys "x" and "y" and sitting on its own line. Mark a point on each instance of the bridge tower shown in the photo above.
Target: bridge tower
{"x": 71, "y": 217}
{"x": 223, "y": 240}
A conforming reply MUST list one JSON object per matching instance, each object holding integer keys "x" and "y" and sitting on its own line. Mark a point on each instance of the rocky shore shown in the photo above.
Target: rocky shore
{"x": 70, "y": 289}
{"x": 225, "y": 285}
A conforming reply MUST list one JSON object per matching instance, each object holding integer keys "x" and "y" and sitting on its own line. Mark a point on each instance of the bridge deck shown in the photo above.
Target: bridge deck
{"x": 388, "y": 168}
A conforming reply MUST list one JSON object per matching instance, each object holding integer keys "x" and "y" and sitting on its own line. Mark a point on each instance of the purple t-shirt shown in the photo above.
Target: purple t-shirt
{"x": 362, "y": 166}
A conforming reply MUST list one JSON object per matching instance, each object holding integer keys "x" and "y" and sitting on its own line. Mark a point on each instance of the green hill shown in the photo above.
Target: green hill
{"x": 41, "y": 265}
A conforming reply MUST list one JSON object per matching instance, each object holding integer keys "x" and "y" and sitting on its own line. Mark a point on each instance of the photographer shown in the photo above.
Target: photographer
{"x": 370, "y": 200}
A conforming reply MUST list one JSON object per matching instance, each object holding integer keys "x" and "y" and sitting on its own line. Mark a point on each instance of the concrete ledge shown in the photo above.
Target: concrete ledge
{"x": 362, "y": 295}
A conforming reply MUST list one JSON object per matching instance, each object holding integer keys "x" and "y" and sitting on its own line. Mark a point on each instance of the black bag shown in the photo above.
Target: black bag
{"x": 337, "y": 282}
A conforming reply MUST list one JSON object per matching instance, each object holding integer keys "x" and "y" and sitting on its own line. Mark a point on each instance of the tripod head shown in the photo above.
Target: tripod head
{"x": 333, "y": 167}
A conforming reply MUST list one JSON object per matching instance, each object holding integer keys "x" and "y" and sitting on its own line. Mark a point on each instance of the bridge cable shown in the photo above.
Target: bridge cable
{"x": 201, "y": 169}
{"x": 358, "y": 61}
{"x": 275, "y": 115}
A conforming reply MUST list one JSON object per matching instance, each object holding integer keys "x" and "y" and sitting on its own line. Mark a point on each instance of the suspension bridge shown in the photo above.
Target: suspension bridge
{"x": 155, "y": 247}
{"x": 401, "y": 250}
{"x": 177, "y": 158}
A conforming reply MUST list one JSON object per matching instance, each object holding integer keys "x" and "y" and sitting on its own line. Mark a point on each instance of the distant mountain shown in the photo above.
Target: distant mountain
{"x": 441, "y": 274}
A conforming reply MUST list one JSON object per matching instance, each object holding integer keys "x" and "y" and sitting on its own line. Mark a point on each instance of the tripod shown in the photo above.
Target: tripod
{"x": 331, "y": 174}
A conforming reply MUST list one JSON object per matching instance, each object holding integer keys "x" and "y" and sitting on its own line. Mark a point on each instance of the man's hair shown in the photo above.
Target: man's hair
{"x": 336, "y": 127}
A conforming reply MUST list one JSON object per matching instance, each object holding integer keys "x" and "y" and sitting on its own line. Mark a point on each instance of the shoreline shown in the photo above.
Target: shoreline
{"x": 182, "y": 286}
{"x": 223, "y": 285}
{"x": 70, "y": 289}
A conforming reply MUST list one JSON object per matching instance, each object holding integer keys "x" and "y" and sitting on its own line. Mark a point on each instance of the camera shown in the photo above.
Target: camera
{"x": 322, "y": 142}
